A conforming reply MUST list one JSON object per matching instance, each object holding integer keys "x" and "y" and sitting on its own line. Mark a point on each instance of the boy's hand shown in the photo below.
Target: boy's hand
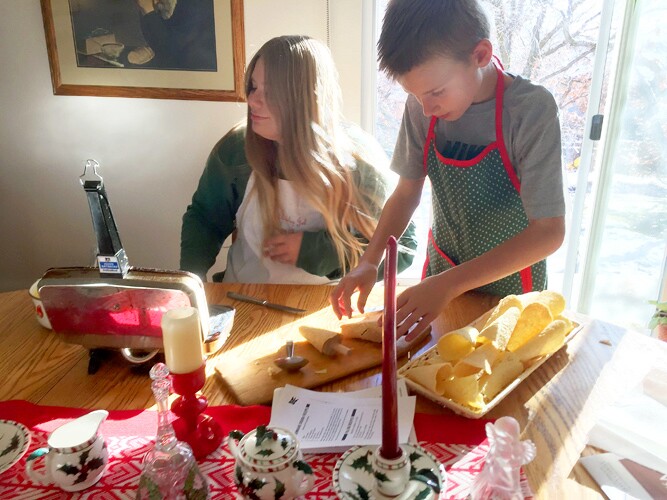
{"x": 361, "y": 278}
{"x": 283, "y": 247}
{"x": 420, "y": 304}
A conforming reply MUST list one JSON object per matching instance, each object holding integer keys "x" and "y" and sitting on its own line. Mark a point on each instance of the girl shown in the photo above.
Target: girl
{"x": 302, "y": 190}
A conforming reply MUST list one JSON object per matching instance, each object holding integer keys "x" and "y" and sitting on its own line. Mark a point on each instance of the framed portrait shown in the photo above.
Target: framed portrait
{"x": 162, "y": 49}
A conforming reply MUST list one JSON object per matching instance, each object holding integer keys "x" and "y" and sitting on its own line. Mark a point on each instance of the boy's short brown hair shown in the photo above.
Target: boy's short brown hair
{"x": 414, "y": 31}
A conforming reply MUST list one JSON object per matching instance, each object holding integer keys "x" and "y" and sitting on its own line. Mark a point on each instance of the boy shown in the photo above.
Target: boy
{"x": 490, "y": 144}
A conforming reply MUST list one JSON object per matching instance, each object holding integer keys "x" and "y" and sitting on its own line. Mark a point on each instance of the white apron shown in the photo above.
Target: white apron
{"x": 246, "y": 262}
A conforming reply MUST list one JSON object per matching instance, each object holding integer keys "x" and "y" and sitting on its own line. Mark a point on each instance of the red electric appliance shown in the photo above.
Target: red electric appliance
{"x": 118, "y": 306}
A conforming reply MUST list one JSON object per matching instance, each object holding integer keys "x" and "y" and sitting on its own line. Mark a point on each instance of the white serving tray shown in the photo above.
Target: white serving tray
{"x": 463, "y": 410}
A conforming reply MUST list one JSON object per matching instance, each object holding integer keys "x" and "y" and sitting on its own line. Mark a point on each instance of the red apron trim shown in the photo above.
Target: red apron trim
{"x": 430, "y": 137}
{"x": 499, "y": 143}
{"x": 511, "y": 173}
{"x": 526, "y": 279}
{"x": 426, "y": 263}
{"x": 500, "y": 91}
{"x": 466, "y": 163}
{"x": 442, "y": 254}
{"x": 500, "y": 137}
{"x": 526, "y": 275}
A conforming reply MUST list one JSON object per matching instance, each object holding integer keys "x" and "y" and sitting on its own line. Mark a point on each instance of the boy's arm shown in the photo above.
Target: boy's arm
{"x": 395, "y": 217}
{"x": 407, "y": 249}
{"x": 423, "y": 302}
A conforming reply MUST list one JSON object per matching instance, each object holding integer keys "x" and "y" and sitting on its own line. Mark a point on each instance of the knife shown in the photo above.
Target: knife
{"x": 265, "y": 303}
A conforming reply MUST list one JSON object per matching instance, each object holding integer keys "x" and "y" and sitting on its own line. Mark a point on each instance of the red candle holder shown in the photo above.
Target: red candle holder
{"x": 200, "y": 431}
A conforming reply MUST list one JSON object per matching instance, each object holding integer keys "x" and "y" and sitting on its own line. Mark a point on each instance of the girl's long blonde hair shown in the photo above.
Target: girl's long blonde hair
{"x": 315, "y": 153}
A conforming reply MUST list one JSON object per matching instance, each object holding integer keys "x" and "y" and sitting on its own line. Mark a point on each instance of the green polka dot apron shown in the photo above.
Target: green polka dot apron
{"x": 476, "y": 207}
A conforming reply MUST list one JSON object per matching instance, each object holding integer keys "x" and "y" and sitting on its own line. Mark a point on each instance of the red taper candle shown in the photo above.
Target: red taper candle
{"x": 389, "y": 448}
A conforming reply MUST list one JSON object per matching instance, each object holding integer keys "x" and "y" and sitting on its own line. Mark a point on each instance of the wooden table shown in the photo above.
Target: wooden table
{"x": 556, "y": 406}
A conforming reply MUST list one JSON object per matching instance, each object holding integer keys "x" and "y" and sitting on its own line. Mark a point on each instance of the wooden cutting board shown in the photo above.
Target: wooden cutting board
{"x": 251, "y": 376}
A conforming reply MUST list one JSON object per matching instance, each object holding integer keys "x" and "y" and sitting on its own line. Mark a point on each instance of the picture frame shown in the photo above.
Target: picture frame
{"x": 100, "y": 48}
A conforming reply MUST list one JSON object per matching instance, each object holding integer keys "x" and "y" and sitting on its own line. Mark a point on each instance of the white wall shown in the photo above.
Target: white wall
{"x": 151, "y": 151}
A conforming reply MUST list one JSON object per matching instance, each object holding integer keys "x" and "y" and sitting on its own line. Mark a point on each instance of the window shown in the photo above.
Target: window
{"x": 625, "y": 258}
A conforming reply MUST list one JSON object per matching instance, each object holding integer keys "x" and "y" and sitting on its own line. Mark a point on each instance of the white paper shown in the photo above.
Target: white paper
{"x": 333, "y": 422}
{"x": 371, "y": 392}
{"x": 655, "y": 384}
{"x": 635, "y": 427}
{"x": 622, "y": 479}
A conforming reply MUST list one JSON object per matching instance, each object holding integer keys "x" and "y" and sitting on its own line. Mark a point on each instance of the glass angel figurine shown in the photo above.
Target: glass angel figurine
{"x": 499, "y": 479}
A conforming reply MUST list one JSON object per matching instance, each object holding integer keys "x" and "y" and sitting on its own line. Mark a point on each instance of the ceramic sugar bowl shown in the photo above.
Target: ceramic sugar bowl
{"x": 269, "y": 464}
{"x": 76, "y": 456}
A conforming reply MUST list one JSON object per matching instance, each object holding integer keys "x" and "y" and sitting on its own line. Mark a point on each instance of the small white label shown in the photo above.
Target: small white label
{"x": 108, "y": 264}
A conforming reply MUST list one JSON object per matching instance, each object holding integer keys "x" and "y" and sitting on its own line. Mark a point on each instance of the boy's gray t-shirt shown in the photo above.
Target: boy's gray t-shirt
{"x": 532, "y": 136}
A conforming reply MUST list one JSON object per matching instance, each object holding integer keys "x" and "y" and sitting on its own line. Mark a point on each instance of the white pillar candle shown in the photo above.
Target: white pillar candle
{"x": 182, "y": 339}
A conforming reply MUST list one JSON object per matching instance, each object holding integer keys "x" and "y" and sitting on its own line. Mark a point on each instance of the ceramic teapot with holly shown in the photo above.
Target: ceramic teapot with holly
{"x": 269, "y": 464}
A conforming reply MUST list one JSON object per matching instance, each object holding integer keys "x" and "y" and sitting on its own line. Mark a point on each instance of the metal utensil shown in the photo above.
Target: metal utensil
{"x": 291, "y": 363}
{"x": 265, "y": 303}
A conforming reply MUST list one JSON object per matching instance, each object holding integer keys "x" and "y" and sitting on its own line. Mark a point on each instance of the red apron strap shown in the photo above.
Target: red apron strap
{"x": 425, "y": 267}
{"x": 429, "y": 138}
{"x": 526, "y": 276}
{"x": 427, "y": 260}
{"x": 437, "y": 249}
{"x": 500, "y": 137}
{"x": 500, "y": 91}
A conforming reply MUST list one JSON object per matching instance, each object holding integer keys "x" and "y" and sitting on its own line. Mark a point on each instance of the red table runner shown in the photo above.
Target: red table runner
{"x": 458, "y": 443}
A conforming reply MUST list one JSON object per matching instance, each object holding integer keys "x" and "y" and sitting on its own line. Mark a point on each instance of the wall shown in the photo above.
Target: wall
{"x": 151, "y": 151}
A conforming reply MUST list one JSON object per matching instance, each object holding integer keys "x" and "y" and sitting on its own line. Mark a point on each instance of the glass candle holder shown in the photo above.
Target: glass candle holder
{"x": 169, "y": 469}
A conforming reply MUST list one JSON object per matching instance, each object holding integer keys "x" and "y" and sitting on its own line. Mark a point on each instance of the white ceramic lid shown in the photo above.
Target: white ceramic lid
{"x": 268, "y": 447}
